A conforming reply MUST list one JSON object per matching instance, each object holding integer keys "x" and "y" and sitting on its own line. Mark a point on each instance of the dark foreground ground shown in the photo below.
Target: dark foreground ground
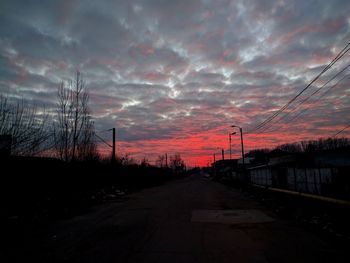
{"x": 188, "y": 220}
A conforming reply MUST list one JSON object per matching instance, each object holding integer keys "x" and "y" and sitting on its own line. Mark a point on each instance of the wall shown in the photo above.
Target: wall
{"x": 306, "y": 180}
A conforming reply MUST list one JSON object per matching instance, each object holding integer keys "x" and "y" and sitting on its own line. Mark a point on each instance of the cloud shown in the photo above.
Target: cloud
{"x": 172, "y": 76}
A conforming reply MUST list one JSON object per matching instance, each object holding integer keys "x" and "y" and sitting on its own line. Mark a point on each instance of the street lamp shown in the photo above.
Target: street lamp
{"x": 222, "y": 154}
{"x": 240, "y": 129}
{"x": 229, "y": 138}
{"x": 113, "y": 145}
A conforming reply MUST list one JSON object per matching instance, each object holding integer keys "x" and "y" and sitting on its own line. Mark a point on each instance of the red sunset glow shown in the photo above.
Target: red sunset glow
{"x": 173, "y": 76}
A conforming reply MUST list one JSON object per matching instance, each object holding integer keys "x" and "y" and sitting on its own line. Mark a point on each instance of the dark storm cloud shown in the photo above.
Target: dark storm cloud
{"x": 156, "y": 69}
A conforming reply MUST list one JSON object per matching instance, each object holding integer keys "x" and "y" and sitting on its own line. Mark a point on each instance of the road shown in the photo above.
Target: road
{"x": 189, "y": 220}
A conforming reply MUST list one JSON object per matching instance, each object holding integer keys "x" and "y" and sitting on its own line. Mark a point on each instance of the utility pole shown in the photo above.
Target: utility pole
{"x": 166, "y": 160}
{"x": 109, "y": 145}
{"x": 223, "y": 154}
{"x": 113, "y": 146}
{"x": 240, "y": 129}
{"x": 229, "y": 141}
{"x": 242, "y": 147}
{"x": 214, "y": 166}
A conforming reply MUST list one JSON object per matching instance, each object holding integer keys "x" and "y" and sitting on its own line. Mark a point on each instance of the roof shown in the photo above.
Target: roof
{"x": 224, "y": 163}
{"x": 277, "y": 153}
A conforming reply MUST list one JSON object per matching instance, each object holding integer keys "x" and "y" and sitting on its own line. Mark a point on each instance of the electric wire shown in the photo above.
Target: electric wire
{"x": 277, "y": 113}
{"x": 303, "y": 111}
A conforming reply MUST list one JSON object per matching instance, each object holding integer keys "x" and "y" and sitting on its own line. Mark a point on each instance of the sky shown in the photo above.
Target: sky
{"x": 173, "y": 76}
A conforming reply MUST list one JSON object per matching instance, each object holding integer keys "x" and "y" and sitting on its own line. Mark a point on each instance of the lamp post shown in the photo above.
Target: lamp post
{"x": 229, "y": 139}
{"x": 113, "y": 149}
{"x": 222, "y": 154}
{"x": 240, "y": 130}
{"x": 113, "y": 145}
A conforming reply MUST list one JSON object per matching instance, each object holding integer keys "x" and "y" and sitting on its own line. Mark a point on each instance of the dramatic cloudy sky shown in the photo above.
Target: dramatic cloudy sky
{"x": 172, "y": 76}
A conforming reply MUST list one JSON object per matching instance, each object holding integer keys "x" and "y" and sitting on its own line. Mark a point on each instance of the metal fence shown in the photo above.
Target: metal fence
{"x": 321, "y": 181}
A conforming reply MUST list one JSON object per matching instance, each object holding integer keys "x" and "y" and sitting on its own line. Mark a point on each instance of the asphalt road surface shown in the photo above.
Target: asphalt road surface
{"x": 189, "y": 220}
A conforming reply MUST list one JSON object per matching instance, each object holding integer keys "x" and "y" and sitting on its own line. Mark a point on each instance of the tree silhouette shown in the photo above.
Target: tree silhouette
{"x": 161, "y": 161}
{"x": 315, "y": 145}
{"x": 74, "y": 128}
{"x": 176, "y": 163}
{"x": 25, "y": 125}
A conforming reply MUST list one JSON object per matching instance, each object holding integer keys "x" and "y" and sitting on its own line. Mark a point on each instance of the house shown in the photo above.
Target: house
{"x": 225, "y": 169}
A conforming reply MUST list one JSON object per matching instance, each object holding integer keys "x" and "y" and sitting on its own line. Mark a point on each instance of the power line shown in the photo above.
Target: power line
{"x": 322, "y": 95}
{"x": 264, "y": 123}
{"x": 273, "y": 116}
{"x": 101, "y": 139}
{"x": 101, "y": 131}
{"x": 307, "y": 98}
{"x": 339, "y": 132}
{"x": 317, "y": 90}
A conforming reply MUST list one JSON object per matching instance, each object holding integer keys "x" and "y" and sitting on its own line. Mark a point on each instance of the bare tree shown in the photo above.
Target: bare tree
{"x": 126, "y": 159}
{"x": 74, "y": 128}
{"x": 290, "y": 147}
{"x": 144, "y": 162}
{"x": 161, "y": 161}
{"x": 315, "y": 145}
{"x": 25, "y": 125}
{"x": 176, "y": 163}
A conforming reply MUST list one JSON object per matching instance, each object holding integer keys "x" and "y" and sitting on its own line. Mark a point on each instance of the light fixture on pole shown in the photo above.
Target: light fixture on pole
{"x": 241, "y": 131}
{"x": 222, "y": 153}
{"x": 229, "y": 139}
{"x": 113, "y": 145}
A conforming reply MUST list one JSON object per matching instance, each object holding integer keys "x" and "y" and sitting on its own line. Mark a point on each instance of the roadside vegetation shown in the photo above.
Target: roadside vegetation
{"x": 50, "y": 164}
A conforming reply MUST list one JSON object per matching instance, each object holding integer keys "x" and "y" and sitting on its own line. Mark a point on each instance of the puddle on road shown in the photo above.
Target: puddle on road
{"x": 251, "y": 216}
